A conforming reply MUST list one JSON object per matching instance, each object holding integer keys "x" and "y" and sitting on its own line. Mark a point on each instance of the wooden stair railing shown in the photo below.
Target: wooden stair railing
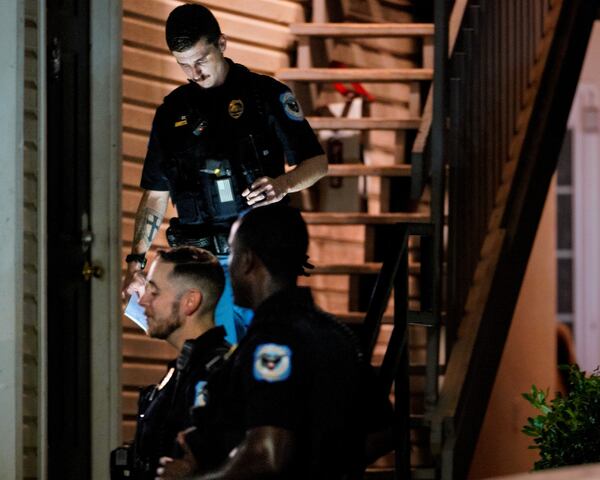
{"x": 416, "y": 308}
{"x": 496, "y": 204}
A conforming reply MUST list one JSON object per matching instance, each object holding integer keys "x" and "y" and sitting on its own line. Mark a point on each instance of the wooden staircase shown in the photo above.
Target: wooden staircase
{"x": 513, "y": 70}
{"x": 310, "y": 80}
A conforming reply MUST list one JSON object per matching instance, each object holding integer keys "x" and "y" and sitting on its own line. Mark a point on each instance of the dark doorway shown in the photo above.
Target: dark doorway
{"x": 68, "y": 187}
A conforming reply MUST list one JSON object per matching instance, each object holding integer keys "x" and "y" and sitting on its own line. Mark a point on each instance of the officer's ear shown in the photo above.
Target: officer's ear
{"x": 222, "y": 43}
{"x": 191, "y": 301}
{"x": 247, "y": 261}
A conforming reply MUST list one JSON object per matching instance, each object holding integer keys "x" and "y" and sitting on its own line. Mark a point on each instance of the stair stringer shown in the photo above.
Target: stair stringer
{"x": 475, "y": 356}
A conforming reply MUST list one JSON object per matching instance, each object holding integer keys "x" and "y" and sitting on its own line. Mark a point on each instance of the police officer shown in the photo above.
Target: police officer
{"x": 218, "y": 145}
{"x": 292, "y": 401}
{"x": 182, "y": 289}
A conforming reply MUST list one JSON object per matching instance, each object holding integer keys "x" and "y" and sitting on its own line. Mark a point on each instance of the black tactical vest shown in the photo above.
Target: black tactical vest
{"x": 218, "y": 142}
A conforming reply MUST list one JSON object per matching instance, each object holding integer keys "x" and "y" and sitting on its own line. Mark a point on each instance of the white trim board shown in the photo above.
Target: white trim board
{"x": 12, "y": 74}
{"x": 584, "y": 122}
{"x": 42, "y": 427}
{"x": 105, "y": 121}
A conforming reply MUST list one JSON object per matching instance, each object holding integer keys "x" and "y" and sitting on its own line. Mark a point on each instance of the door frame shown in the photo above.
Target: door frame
{"x": 105, "y": 121}
{"x": 12, "y": 57}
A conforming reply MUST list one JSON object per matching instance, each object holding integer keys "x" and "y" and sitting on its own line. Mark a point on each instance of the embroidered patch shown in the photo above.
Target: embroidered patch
{"x": 181, "y": 122}
{"x": 236, "y": 108}
{"x": 200, "y": 128}
{"x": 291, "y": 106}
{"x": 272, "y": 362}
{"x": 201, "y": 395}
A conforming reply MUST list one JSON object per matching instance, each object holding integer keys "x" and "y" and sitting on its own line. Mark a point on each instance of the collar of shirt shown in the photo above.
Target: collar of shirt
{"x": 283, "y": 300}
{"x": 199, "y": 347}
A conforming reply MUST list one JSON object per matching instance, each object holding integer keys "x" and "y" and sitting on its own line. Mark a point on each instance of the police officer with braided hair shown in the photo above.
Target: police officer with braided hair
{"x": 293, "y": 401}
{"x": 181, "y": 292}
{"x": 218, "y": 145}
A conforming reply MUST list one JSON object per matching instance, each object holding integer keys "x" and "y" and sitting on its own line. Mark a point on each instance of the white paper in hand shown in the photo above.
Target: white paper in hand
{"x": 135, "y": 312}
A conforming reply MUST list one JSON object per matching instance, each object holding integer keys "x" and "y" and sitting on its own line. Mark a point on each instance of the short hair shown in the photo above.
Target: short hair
{"x": 277, "y": 234}
{"x": 189, "y": 23}
{"x": 199, "y": 268}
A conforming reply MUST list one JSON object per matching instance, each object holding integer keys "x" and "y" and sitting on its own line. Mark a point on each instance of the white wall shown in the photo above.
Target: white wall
{"x": 591, "y": 67}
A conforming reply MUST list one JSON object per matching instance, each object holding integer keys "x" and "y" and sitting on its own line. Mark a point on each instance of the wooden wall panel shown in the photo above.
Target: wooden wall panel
{"x": 258, "y": 37}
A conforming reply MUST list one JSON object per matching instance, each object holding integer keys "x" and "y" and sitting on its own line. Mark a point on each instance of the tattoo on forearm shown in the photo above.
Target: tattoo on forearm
{"x": 152, "y": 220}
{"x": 147, "y": 224}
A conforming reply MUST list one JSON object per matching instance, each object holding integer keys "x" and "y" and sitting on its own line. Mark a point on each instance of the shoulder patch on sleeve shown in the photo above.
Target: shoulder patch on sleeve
{"x": 200, "y": 394}
{"x": 291, "y": 107}
{"x": 272, "y": 362}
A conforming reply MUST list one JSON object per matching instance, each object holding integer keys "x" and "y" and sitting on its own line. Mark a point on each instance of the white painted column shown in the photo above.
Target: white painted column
{"x": 585, "y": 124}
{"x": 11, "y": 237}
{"x": 105, "y": 78}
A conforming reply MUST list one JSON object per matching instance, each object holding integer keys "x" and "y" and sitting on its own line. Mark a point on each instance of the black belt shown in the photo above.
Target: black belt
{"x": 209, "y": 237}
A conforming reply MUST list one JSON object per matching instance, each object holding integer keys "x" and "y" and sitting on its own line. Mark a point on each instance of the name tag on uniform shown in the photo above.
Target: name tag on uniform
{"x": 225, "y": 190}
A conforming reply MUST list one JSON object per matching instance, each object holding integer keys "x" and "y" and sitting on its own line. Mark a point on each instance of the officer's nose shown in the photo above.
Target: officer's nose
{"x": 143, "y": 301}
{"x": 197, "y": 73}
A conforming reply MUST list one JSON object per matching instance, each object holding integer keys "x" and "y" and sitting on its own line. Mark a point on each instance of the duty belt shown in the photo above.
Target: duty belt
{"x": 208, "y": 237}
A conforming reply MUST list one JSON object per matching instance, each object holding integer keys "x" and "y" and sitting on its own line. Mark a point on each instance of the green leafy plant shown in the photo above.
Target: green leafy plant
{"x": 567, "y": 432}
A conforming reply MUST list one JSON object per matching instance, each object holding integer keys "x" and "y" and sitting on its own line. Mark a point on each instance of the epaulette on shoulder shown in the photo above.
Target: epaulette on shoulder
{"x": 265, "y": 81}
{"x": 179, "y": 94}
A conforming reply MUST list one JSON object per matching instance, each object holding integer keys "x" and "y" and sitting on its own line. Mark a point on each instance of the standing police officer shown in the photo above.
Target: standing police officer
{"x": 218, "y": 145}
{"x": 182, "y": 290}
{"x": 294, "y": 400}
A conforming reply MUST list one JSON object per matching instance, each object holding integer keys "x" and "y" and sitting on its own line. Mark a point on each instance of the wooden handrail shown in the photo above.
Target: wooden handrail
{"x": 418, "y": 150}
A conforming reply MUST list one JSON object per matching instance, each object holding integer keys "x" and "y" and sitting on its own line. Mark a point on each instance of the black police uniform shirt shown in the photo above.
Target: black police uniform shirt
{"x": 297, "y": 369}
{"x": 164, "y": 409}
{"x": 208, "y": 145}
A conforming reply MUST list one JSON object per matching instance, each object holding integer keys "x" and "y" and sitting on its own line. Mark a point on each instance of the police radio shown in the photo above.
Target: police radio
{"x": 252, "y": 164}
{"x": 122, "y": 462}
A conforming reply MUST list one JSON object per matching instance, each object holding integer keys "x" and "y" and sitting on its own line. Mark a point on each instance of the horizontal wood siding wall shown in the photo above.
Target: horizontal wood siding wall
{"x": 258, "y": 37}
{"x": 30, "y": 248}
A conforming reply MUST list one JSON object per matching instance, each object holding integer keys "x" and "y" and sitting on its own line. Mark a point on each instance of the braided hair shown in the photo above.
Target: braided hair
{"x": 277, "y": 234}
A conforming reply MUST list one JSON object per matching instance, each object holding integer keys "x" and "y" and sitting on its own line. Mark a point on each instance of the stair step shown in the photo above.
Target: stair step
{"x": 357, "y": 318}
{"x": 326, "y": 218}
{"x": 370, "y": 123}
{"x": 346, "y": 268}
{"x": 419, "y": 473}
{"x": 354, "y": 74}
{"x": 424, "y": 319}
{"x": 362, "y": 29}
{"x": 358, "y": 170}
{"x": 418, "y": 420}
{"x": 366, "y": 268}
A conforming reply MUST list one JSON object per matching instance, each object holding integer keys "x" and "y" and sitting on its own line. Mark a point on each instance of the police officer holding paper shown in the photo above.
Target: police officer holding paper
{"x": 181, "y": 292}
{"x": 218, "y": 145}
